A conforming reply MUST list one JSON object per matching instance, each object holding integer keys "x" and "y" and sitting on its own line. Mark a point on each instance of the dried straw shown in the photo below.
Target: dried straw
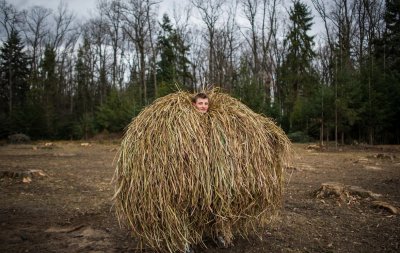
{"x": 182, "y": 175}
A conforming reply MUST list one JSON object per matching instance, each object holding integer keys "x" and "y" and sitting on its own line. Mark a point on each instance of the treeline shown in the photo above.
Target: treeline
{"x": 62, "y": 78}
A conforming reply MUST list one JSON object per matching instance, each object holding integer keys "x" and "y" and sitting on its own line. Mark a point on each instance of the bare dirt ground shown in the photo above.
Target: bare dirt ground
{"x": 57, "y": 198}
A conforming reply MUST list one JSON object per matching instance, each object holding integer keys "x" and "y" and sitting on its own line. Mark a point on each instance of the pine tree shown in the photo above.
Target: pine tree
{"x": 296, "y": 81}
{"x": 173, "y": 64}
{"x": 387, "y": 77}
{"x": 84, "y": 95}
{"x": 247, "y": 89}
{"x": 166, "y": 65}
{"x": 392, "y": 63}
{"x": 392, "y": 35}
{"x": 14, "y": 87}
{"x": 14, "y": 73}
{"x": 48, "y": 78}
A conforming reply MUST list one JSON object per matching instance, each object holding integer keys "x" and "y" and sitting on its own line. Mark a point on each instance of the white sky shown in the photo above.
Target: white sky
{"x": 82, "y": 8}
{"x": 86, "y": 8}
{"x": 79, "y": 7}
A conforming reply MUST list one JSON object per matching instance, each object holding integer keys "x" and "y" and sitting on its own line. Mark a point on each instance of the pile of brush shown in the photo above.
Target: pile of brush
{"x": 183, "y": 175}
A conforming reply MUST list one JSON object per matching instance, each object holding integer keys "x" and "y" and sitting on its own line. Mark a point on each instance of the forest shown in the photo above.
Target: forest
{"x": 65, "y": 77}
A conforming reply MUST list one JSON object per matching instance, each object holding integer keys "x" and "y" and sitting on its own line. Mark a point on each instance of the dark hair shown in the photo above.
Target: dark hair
{"x": 199, "y": 95}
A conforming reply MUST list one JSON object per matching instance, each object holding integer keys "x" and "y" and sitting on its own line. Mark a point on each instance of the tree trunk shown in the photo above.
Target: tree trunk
{"x": 10, "y": 87}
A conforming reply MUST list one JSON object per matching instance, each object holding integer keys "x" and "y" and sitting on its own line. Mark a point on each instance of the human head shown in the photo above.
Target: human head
{"x": 201, "y": 102}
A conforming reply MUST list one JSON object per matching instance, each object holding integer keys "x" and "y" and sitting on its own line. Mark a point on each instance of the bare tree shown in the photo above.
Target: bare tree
{"x": 261, "y": 15}
{"x": 97, "y": 28}
{"x": 369, "y": 16}
{"x": 63, "y": 24}
{"x": 340, "y": 25}
{"x": 112, "y": 11}
{"x": 181, "y": 17}
{"x": 63, "y": 40}
{"x": 210, "y": 12}
{"x": 226, "y": 43}
{"x": 198, "y": 59}
{"x": 323, "y": 12}
{"x": 151, "y": 23}
{"x": 36, "y": 30}
{"x": 323, "y": 68}
{"x": 136, "y": 27}
{"x": 268, "y": 35}
{"x": 250, "y": 9}
{"x": 10, "y": 18}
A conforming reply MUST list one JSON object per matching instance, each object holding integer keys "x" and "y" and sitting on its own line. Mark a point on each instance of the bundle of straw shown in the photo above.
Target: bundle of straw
{"x": 182, "y": 175}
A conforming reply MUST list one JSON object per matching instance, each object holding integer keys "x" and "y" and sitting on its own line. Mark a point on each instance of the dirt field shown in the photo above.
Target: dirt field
{"x": 66, "y": 207}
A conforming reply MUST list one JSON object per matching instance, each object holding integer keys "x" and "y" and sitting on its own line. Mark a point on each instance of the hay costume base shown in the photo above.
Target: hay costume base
{"x": 182, "y": 175}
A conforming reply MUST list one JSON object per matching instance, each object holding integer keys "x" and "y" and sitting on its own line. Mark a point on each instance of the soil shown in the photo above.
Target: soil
{"x": 56, "y": 197}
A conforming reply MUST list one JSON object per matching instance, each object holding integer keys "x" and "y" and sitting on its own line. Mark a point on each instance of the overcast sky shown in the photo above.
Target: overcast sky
{"x": 82, "y": 8}
{"x": 79, "y": 7}
{"x": 87, "y": 8}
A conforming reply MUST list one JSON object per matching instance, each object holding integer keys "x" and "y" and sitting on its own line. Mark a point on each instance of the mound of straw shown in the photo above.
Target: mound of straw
{"x": 182, "y": 175}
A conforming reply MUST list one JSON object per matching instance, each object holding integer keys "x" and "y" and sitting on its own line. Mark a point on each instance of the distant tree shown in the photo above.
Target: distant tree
{"x": 10, "y": 18}
{"x": 250, "y": 9}
{"x": 136, "y": 26}
{"x": 392, "y": 36}
{"x": 15, "y": 113}
{"x": 247, "y": 89}
{"x": 63, "y": 38}
{"x": 344, "y": 35}
{"x": 84, "y": 92}
{"x": 49, "y": 88}
{"x": 36, "y": 30}
{"x": 14, "y": 73}
{"x": 96, "y": 34}
{"x": 173, "y": 64}
{"x": 166, "y": 67}
{"x": 392, "y": 59}
{"x": 369, "y": 28}
{"x": 296, "y": 75}
{"x": 225, "y": 41}
{"x": 210, "y": 12}
{"x": 182, "y": 62}
{"x": 113, "y": 14}
{"x": 116, "y": 113}
{"x": 385, "y": 111}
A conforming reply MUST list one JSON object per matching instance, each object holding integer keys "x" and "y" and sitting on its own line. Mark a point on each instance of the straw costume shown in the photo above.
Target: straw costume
{"x": 182, "y": 175}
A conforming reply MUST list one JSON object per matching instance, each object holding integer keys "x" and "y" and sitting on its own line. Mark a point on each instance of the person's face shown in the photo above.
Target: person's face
{"x": 201, "y": 105}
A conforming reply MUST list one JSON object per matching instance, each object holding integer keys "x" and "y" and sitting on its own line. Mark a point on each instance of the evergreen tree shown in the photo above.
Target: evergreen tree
{"x": 386, "y": 79}
{"x": 392, "y": 35}
{"x": 84, "y": 106}
{"x": 347, "y": 88}
{"x": 392, "y": 62}
{"x": 83, "y": 103}
{"x": 166, "y": 65}
{"x": 173, "y": 64}
{"x": 296, "y": 77}
{"x": 14, "y": 72}
{"x": 116, "y": 113}
{"x": 246, "y": 88}
{"x": 50, "y": 99}
{"x": 14, "y": 87}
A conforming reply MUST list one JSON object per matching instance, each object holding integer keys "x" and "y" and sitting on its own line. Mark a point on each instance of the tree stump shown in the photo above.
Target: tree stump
{"x": 26, "y": 175}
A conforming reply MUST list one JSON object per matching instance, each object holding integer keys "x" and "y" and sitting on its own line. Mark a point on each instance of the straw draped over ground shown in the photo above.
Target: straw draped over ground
{"x": 183, "y": 175}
